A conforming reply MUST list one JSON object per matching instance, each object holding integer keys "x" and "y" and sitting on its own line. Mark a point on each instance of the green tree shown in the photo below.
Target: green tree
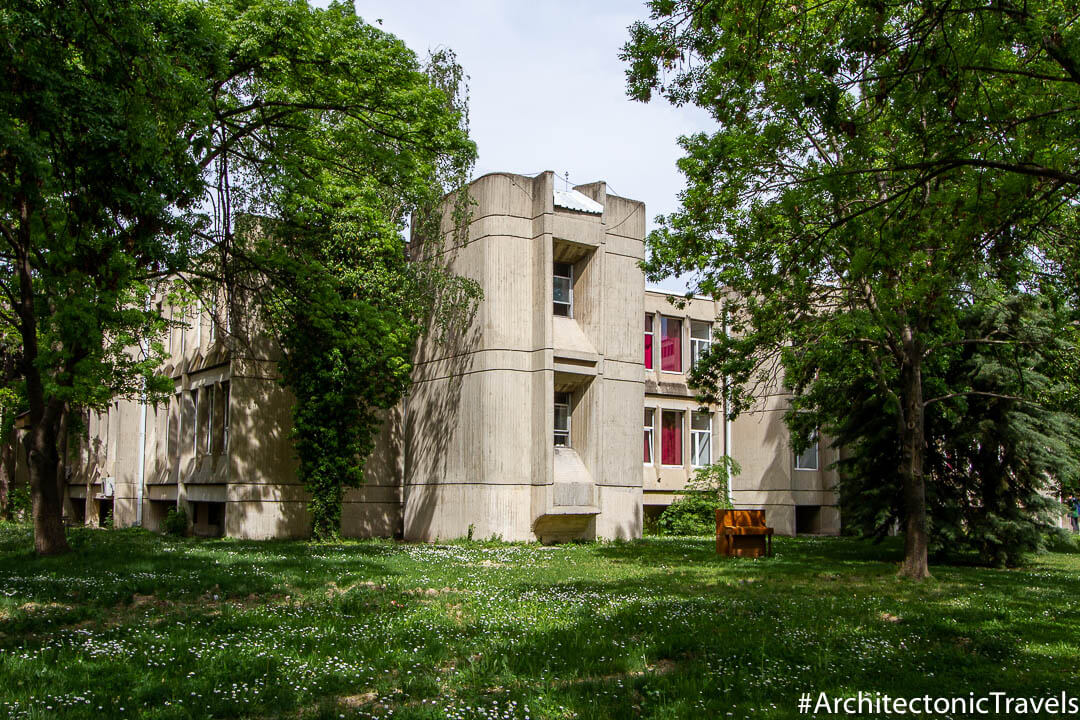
{"x": 874, "y": 165}
{"x": 995, "y": 461}
{"x": 99, "y": 102}
{"x": 132, "y": 133}
{"x": 335, "y": 138}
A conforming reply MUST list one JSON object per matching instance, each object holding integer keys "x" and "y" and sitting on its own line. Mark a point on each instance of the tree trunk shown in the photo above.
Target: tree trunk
{"x": 40, "y": 441}
{"x": 916, "y": 539}
{"x": 7, "y": 472}
{"x": 43, "y": 464}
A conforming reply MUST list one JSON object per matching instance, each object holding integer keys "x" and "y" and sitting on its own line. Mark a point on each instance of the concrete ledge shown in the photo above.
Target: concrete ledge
{"x": 571, "y": 510}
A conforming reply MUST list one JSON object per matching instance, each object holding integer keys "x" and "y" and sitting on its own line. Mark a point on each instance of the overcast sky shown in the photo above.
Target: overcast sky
{"x": 547, "y": 91}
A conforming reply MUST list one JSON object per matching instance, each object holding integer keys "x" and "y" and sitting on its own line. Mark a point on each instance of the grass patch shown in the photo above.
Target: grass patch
{"x": 133, "y": 624}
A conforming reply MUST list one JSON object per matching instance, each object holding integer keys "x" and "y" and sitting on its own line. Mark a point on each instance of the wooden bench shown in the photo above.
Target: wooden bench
{"x": 743, "y": 533}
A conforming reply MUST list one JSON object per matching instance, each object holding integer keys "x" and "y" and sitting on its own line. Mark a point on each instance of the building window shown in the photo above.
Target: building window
{"x": 562, "y": 419}
{"x": 670, "y": 344}
{"x": 649, "y": 431}
{"x": 176, "y": 420}
{"x": 700, "y": 339}
{"x": 213, "y": 317}
{"x": 648, "y": 342}
{"x": 671, "y": 422}
{"x": 225, "y": 415}
{"x": 563, "y": 289}
{"x": 101, "y": 448}
{"x": 700, "y": 439}
{"x": 220, "y": 417}
{"x": 194, "y": 422}
{"x": 808, "y": 458}
{"x": 114, "y": 431}
{"x": 209, "y": 419}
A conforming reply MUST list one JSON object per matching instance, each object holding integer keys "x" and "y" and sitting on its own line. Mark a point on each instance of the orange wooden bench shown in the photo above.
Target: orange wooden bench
{"x": 743, "y": 533}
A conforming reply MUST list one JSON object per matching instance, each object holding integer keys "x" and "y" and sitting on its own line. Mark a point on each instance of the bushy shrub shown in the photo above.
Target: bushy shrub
{"x": 694, "y": 512}
{"x": 18, "y": 504}
{"x": 176, "y": 522}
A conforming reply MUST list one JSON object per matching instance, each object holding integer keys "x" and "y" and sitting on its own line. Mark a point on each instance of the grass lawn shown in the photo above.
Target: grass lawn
{"x": 136, "y": 625}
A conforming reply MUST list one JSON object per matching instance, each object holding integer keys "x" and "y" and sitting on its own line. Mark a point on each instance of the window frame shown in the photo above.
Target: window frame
{"x": 569, "y": 292}
{"x": 114, "y": 432}
{"x": 175, "y": 450}
{"x": 814, "y": 444}
{"x": 649, "y": 439}
{"x": 694, "y": 432}
{"x": 226, "y": 388}
{"x": 664, "y": 336}
{"x": 650, "y": 340}
{"x": 699, "y": 345}
{"x": 682, "y": 422}
{"x": 194, "y": 422}
{"x": 556, "y": 432}
{"x": 210, "y": 392}
{"x": 213, "y": 318}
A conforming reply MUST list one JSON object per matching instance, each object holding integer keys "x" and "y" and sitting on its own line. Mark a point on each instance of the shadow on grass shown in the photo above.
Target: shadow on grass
{"x": 653, "y": 629}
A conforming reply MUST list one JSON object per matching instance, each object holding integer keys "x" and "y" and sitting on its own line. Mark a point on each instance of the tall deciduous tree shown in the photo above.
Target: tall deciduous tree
{"x": 996, "y": 463}
{"x": 334, "y": 135}
{"x": 874, "y": 165}
{"x": 133, "y": 131}
{"x": 98, "y": 104}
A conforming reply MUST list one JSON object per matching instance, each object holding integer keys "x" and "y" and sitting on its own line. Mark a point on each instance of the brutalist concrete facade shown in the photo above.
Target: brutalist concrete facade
{"x": 479, "y": 418}
{"x": 528, "y": 425}
{"x": 797, "y": 492}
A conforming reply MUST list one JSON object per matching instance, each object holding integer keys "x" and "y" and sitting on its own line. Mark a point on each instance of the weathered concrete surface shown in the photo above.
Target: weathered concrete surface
{"x": 471, "y": 448}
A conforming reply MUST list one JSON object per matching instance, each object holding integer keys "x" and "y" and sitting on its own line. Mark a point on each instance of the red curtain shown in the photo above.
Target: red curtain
{"x": 671, "y": 438}
{"x": 671, "y": 345}
{"x": 648, "y": 351}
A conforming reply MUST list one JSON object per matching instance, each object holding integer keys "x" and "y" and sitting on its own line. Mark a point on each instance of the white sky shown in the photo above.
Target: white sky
{"x": 547, "y": 91}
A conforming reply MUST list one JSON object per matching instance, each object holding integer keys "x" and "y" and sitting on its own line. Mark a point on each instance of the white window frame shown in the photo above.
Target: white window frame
{"x": 699, "y": 345}
{"x": 682, "y": 437}
{"x": 815, "y": 446}
{"x": 556, "y": 432}
{"x": 650, "y": 432}
{"x": 682, "y": 359}
{"x": 695, "y": 460}
{"x": 650, "y": 331}
{"x": 570, "y": 290}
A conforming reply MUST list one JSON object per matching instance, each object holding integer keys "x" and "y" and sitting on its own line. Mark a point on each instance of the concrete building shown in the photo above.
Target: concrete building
{"x": 797, "y": 491}
{"x": 524, "y": 427}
